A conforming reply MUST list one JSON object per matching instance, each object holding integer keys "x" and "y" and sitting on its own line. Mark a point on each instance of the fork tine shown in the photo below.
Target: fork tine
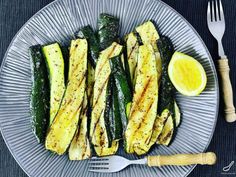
{"x": 99, "y": 159}
{"x": 99, "y": 166}
{"x": 209, "y": 12}
{"x": 217, "y": 11}
{"x": 98, "y": 170}
{"x": 213, "y": 10}
{"x": 98, "y": 162}
{"x": 221, "y": 12}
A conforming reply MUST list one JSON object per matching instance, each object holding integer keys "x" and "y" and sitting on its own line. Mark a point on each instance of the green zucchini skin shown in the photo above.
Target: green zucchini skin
{"x": 89, "y": 90}
{"x": 167, "y": 92}
{"x": 108, "y": 113}
{"x": 65, "y": 53}
{"x": 108, "y": 28}
{"x": 40, "y": 94}
{"x": 167, "y": 89}
{"x": 116, "y": 122}
{"x": 123, "y": 89}
{"x": 139, "y": 39}
{"x": 112, "y": 116}
{"x": 93, "y": 43}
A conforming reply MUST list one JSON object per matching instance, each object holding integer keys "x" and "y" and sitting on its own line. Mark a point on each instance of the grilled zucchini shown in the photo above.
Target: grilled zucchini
{"x": 65, "y": 53}
{"x": 116, "y": 122}
{"x": 108, "y": 28}
{"x": 93, "y": 44}
{"x": 55, "y": 65}
{"x": 168, "y": 130}
{"x": 167, "y": 91}
{"x": 109, "y": 120}
{"x": 177, "y": 115}
{"x": 98, "y": 134}
{"x": 65, "y": 124}
{"x": 149, "y": 35}
{"x": 132, "y": 46}
{"x": 104, "y": 151}
{"x": 122, "y": 89}
{"x": 39, "y": 101}
{"x": 144, "y": 105}
{"x": 90, "y": 82}
{"x": 156, "y": 131}
{"x": 80, "y": 145}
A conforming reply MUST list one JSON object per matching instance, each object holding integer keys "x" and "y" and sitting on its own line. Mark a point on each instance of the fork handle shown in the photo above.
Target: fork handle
{"x": 208, "y": 158}
{"x": 224, "y": 69}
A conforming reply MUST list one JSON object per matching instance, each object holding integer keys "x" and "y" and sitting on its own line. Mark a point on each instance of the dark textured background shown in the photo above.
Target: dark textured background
{"x": 14, "y": 13}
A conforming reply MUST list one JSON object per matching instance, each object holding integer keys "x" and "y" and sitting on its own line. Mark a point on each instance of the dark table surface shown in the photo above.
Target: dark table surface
{"x": 14, "y": 13}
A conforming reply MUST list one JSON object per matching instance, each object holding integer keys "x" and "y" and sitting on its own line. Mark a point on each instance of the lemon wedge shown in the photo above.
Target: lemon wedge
{"x": 187, "y": 74}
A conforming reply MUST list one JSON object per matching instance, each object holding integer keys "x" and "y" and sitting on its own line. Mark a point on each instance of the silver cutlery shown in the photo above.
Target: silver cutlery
{"x": 216, "y": 25}
{"x": 116, "y": 163}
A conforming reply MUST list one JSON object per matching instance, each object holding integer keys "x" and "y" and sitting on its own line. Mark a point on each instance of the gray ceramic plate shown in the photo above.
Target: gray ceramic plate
{"x": 57, "y": 22}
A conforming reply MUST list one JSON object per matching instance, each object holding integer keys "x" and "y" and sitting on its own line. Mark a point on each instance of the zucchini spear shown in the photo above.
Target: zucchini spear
{"x": 108, "y": 114}
{"x": 55, "y": 65}
{"x": 167, "y": 91}
{"x": 80, "y": 145}
{"x": 108, "y": 28}
{"x": 39, "y": 102}
{"x": 124, "y": 97}
{"x": 93, "y": 44}
{"x": 143, "y": 111}
{"x": 64, "y": 126}
{"x": 132, "y": 46}
{"x": 98, "y": 133}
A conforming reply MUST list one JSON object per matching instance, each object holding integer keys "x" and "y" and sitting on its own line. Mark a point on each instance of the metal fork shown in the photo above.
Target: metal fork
{"x": 216, "y": 25}
{"x": 116, "y": 163}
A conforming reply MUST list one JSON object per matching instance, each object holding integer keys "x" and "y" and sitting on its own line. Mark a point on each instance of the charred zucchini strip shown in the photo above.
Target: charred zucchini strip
{"x": 149, "y": 35}
{"x": 90, "y": 82}
{"x": 55, "y": 66}
{"x": 93, "y": 44}
{"x": 98, "y": 133}
{"x": 144, "y": 105}
{"x": 122, "y": 89}
{"x": 132, "y": 46}
{"x": 167, "y": 91}
{"x": 156, "y": 131}
{"x": 65, "y": 123}
{"x": 168, "y": 130}
{"x": 108, "y": 28}
{"x": 80, "y": 145}
{"x": 108, "y": 114}
{"x": 104, "y": 151}
{"x": 39, "y": 101}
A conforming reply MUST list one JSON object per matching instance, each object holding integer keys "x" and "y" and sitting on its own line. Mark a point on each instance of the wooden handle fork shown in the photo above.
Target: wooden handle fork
{"x": 208, "y": 158}
{"x": 230, "y": 115}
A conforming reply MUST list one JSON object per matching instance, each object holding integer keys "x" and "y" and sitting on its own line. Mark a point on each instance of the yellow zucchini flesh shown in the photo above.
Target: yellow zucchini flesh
{"x": 90, "y": 83}
{"x": 144, "y": 104}
{"x": 98, "y": 134}
{"x": 132, "y": 46}
{"x": 168, "y": 130}
{"x": 105, "y": 151}
{"x": 80, "y": 145}
{"x": 149, "y": 35}
{"x": 55, "y": 66}
{"x": 65, "y": 123}
{"x": 157, "y": 129}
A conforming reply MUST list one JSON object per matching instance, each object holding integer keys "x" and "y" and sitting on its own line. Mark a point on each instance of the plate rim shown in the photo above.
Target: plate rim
{"x": 164, "y": 4}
